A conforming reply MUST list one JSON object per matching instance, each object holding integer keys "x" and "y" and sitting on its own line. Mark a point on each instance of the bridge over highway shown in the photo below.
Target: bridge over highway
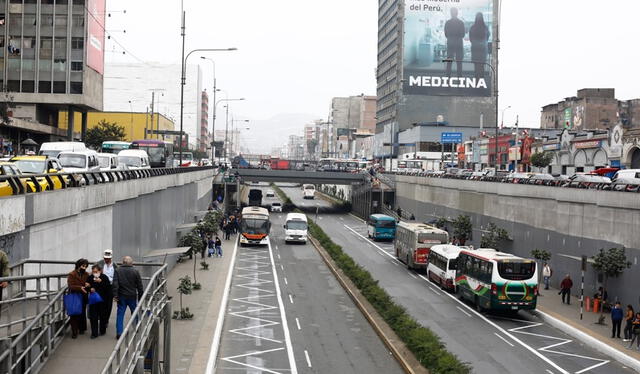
{"x": 293, "y": 176}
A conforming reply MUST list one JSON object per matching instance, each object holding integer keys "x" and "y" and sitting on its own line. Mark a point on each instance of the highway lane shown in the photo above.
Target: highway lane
{"x": 309, "y": 326}
{"x": 492, "y": 344}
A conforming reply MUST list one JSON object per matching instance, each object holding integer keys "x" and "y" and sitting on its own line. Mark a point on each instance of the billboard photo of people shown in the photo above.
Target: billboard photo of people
{"x": 447, "y": 47}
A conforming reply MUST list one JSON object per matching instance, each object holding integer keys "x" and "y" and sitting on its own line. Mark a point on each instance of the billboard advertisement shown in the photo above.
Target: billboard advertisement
{"x": 448, "y": 47}
{"x": 95, "y": 35}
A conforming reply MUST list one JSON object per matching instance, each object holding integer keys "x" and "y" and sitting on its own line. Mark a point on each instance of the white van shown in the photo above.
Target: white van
{"x": 627, "y": 173}
{"x": 108, "y": 161}
{"x": 79, "y": 161}
{"x": 53, "y": 149}
{"x": 295, "y": 228}
{"x": 134, "y": 159}
{"x": 309, "y": 191}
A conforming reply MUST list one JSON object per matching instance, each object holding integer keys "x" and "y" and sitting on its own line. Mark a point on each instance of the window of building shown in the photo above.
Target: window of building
{"x": 28, "y": 65}
{"x": 29, "y": 19}
{"x": 60, "y": 64}
{"x": 61, "y": 21}
{"x": 76, "y": 87}
{"x": 13, "y": 86}
{"x": 77, "y": 43}
{"x": 46, "y": 42}
{"x": 46, "y": 20}
{"x": 78, "y": 20}
{"x": 78, "y": 2}
{"x": 15, "y": 21}
{"x": 59, "y": 87}
{"x": 28, "y": 86}
{"x": 45, "y": 66}
{"x": 28, "y": 42}
{"x": 76, "y": 66}
{"x": 44, "y": 86}
{"x": 60, "y": 44}
{"x": 62, "y": 2}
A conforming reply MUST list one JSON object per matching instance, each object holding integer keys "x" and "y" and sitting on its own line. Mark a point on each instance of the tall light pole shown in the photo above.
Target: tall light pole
{"x": 184, "y": 78}
{"x": 226, "y": 130}
{"x": 213, "y": 122}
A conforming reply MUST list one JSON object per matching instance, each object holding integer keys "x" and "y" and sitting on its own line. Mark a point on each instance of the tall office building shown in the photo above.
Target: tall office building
{"x": 350, "y": 116}
{"x": 203, "y": 130}
{"x": 51, "y": 59}
{"x": 435, "y": 71}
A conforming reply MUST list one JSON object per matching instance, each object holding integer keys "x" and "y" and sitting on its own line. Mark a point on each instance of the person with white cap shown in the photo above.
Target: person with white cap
{"x": 109, "y": 270}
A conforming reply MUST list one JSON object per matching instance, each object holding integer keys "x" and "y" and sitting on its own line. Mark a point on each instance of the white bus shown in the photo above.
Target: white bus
{"x": 442, "y": 266}
{"x": 295, "y": 228}
{"x": 309, "y": 191}
{"x": 414, "y": 241}
{"x": 254, "y": 226}
{"x": 497, "y": 281}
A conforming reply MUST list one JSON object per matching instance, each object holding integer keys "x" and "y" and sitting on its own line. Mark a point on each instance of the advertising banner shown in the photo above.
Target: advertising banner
{"x": 95, "y": 35}
{"x": 448, "y": 47}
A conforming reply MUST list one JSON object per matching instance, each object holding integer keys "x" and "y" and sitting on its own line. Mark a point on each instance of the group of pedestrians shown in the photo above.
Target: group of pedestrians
{"x": 230, "y": 225}
{"x": 214, "y": 247}
{"x": 631, "y": 324}
{"x": 98, "y": 289}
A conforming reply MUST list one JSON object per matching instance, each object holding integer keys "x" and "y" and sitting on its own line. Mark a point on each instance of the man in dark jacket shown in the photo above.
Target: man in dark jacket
{"x": 455, "y": 31}
{"x": 565, "y": 289}
{"x": 616, "y": 320}
{"x": 127, "y": 290}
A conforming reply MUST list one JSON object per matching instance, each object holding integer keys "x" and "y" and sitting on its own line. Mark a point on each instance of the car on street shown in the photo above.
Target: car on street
{"x": 41, "y": 165}
{"x": 270, "y": 193}
{"x": 6, "y": 186}
{"x": 276, "y": 207}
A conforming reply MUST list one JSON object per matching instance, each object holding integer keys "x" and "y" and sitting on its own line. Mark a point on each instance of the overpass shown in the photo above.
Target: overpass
{"x": 294, "y": 176}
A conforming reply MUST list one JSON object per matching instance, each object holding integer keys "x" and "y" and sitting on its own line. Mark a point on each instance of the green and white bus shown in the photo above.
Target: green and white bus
{"x": 495, "y": 280}
{"x": 114, "y": 146}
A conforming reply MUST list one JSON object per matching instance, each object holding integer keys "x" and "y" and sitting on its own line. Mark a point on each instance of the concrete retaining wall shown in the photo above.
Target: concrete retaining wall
{"x": 564, "y": 221}
{"x": 131, "y": 217}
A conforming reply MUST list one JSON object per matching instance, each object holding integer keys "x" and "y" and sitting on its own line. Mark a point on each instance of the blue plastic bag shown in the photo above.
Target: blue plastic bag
{"x": 95, "y": 298}
{"x": 73, "y": 304}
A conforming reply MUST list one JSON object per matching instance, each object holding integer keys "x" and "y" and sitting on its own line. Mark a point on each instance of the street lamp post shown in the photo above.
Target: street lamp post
{"x": 226, "y": 130}
{"x": 213, "y": 123}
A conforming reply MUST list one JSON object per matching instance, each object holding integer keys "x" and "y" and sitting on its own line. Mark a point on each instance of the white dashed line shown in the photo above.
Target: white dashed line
{"x": 298, "y": 323}
{"x": 549, "y": 371}
{"x": 285, "y": 281}
{"x": 499, "y": 336}
{"x": 463, "y": 311}
{"x": 281, "y": 267}
{"x": 306, "y": 355}
{"x": 278, "y": 256}
{"x": 291, "y": 298}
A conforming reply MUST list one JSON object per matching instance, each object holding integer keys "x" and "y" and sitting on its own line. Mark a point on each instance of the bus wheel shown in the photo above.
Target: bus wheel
{"x": 409, "y": 263}
{"x": 479, "y": 307}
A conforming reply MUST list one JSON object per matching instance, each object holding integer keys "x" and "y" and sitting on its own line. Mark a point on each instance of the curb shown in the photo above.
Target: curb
{"x": 405, "y": 358}
{"x": 595, "y": 343}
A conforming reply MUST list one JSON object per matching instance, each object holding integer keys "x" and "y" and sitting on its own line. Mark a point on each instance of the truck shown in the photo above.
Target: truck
{"x": 278, "y": 164}
{"x": 255, "y": 197}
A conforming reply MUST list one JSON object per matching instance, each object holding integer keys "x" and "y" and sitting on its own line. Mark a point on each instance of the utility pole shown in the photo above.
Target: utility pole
{"x": 226, "y": 132}
{"x": 153, "y": 100}
{"x": 182, "y": 82}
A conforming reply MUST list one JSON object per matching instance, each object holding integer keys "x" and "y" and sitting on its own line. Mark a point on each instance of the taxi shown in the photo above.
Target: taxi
{"x": 40, "y": 165}
{"x": 9, "y": 169}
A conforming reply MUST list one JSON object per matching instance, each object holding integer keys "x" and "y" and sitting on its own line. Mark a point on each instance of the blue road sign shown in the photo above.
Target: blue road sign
{"x": 451, "y": 137}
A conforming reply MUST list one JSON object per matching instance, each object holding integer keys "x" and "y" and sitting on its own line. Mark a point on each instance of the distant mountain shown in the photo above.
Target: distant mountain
{"x": 268, "y": 133}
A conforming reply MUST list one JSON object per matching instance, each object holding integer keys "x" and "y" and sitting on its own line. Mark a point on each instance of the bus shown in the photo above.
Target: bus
{"x": 380, "y": 226}
{"x": 414, "y": 241}
{"x": 254, "y": 226}
{"x": 309, "y": 191}
{"x": 497, "y": 281}
{"x": 114, "y": 147}
{"x": 160, "y": 152}
{"x": 442, "y": 266}
{"x": 295, "y": 228}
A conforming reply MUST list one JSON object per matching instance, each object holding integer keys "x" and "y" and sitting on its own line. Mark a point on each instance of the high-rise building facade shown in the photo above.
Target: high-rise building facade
{"x": 436, "y": 65}
{"x": 350, "y": 116}
{"x": 51, "y": 59}
{"x": 203, "y": 130}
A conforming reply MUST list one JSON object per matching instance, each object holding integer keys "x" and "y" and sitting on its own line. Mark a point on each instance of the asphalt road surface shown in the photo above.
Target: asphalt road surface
{"x": 288, "y": 314}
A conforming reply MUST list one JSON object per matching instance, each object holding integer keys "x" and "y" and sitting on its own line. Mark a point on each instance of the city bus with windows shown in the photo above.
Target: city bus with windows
{"x": 381, "y": 226}
{"x": 160, "y": 152}
{"x": 443, "y": 260}
{"x": 413, "y": 243}
{"x": 114, "y": 147}
{"x": 254, "y": 226}
{"x": 495, "y": 280}
{"x": 308, "y": 191}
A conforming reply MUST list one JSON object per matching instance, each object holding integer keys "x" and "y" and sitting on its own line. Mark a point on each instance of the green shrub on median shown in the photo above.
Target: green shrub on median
{"x": 421, "y": 341}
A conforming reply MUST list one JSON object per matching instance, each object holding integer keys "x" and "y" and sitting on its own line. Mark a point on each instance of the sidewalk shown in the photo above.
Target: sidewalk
{"x": 550, "y": 303}
{"x": 190, "y": 340}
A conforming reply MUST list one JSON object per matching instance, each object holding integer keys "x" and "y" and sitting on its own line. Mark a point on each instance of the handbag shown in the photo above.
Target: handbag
{"x": 95, "y": 298}
{"x": 73, "y": 304}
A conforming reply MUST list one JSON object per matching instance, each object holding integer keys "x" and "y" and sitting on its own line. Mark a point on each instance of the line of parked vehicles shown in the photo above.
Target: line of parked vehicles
{"x": 610, "y": 179}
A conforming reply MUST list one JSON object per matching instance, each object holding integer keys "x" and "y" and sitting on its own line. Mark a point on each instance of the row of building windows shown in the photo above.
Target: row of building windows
{"x": 43, "y": 86}
{"x": 48, "y": 2}
{"x": 46, "y": 42}
{"x": 18, "y": 20}
{"x": 27, "y": 65}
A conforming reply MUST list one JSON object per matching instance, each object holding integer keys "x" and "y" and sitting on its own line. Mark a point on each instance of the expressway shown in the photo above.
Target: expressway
{"x": 287, "y": 314}
{"x": 491, "y": 344}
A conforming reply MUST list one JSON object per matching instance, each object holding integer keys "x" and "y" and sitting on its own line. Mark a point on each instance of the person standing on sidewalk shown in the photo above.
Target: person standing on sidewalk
{"x": 546, "y": 275}
{"x": 108, "y": 269}
{"x": 218, "y": 245}
{"x": 616, "y": 320}
{"x": 635, "y": 331}
{"x": 565, "y": 289}
{"x": 98, "y": 312}
{"x": 127, "y": 290}
{"x": 4, "y": 273}
{"x": 628, "y": 327}
{"x": 77, "y": 283}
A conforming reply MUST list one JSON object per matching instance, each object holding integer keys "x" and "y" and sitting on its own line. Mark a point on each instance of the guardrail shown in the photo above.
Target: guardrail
{"x": 35, "y": 315}
{"x": 30, "y": 183}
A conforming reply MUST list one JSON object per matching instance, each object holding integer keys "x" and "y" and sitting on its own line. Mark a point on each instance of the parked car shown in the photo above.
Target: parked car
{"x": 588, "y": 181}
{"x": 134, "y": 159}
{"x": 625, "y": 184}
{"x": 518, "y": 178}
{"x": 542, "y": 180}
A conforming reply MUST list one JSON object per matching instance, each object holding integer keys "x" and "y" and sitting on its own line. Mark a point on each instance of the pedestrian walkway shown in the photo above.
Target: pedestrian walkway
{"x": 190, "y": 340}
{"x": 551, "y": 304}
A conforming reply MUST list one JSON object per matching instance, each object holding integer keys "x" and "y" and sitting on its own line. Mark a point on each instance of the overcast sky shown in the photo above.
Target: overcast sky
{"x": 294, "y": 55}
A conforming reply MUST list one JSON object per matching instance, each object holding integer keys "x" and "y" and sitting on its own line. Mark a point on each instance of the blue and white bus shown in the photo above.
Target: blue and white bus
{"x": 380, "y": 226}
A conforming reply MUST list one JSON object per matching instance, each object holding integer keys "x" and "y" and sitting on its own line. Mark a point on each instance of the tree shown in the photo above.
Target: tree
{"x": 493, "y": 236}
{"x": 103, "y": 132}
{"x": 541, "y": 159}
{"x": 611, "y": 264}
{"x": 542, "y": 256}
{"x": 462, "y": 229}
{"x": 184, "y": 288}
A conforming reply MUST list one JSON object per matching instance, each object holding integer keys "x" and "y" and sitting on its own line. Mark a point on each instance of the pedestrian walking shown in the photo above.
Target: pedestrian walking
{"x": 109, "y": 269}
{"x": 616, "y": 320}
{"x": 127, "y": 290}
{"x": 227, "y": 231}
{"x": 546, "y": 275}
{"x": 565, "y": 289}
{"x": 77, "y": 283}
{"x": 211, "y": 249}
{"x": 4, "y": 272}
{"x": 635, "y": 332}
{"x": 98, "y": 316}
{"x": 218, "y": 245}
{"x": 628, "y": 327}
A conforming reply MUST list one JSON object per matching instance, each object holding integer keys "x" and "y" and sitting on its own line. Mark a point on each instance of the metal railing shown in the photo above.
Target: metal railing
{"x": 29, "y": 183}
{"x": 33, "y": 318}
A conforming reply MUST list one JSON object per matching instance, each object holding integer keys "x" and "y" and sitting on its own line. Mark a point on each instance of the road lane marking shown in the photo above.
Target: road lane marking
{"x": 463, "y": 311}
{"x": 429, "y": 284}
{"x": 285, "y": 281}
{"x": 281, "y": 267}
{"x": 413, "y": 276}
{"x": 549, "y": 371}
{"x": 261, "y": 369}
{"x": 278, "y": 256}
{"x": 290, "y": 298}
{"x": 306, "y": 355}
{"x": 393, "y": 262}
{"x": 298, "y": 323}
{"x": 500, "y": 336}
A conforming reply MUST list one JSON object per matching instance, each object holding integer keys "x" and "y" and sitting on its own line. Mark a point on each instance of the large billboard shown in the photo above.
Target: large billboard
{"x": 95, "y": 35}
{"x": 448, "y": 47}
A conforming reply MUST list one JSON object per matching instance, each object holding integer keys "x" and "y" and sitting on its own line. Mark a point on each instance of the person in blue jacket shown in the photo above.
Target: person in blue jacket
{"x": 616, "y": 320}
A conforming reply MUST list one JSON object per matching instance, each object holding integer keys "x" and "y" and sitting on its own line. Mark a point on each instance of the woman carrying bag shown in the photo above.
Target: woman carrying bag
{"x": 76, "y": 300}
{"x": 100, "y": 291}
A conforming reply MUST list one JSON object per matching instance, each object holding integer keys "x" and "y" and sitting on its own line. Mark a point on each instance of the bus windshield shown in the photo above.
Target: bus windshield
{"x": 255, "y": 226}
{"x": 386, "y": 224}
{"x": 515, "y": 270}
